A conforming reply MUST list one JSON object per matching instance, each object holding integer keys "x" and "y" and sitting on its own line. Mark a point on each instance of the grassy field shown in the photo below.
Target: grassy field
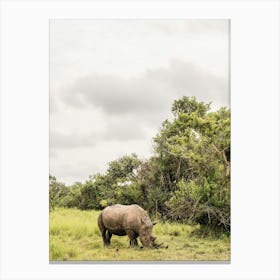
{"x": 74, "y": 235}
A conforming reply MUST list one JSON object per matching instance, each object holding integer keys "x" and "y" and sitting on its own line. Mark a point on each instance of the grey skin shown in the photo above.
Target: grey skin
{"x": 131, "y": 220}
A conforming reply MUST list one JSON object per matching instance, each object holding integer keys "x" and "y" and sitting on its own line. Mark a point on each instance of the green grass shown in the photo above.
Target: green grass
{"x": 74, "y": 235}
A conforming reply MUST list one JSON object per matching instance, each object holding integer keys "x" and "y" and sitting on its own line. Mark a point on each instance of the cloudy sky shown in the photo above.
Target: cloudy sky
{"x": 112, "y": 83}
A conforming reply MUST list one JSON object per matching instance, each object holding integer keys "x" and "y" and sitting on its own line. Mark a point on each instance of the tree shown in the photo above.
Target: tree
{"x": 125, "y": 168}
{"x": 117, "y": 185}
{"x": 57, "y": 191}
{"x": 192, "y": 151}
{"x": 73, "y": 198}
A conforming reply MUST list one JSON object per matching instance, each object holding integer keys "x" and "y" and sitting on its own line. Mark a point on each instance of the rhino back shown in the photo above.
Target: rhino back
{"x": 117, "y": 218}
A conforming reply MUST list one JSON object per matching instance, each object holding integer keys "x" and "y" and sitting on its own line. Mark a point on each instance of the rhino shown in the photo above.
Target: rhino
{"x": 131, "y": 220}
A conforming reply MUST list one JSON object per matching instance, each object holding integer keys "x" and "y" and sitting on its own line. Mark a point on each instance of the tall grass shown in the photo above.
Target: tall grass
{"x": 74, "y": 235}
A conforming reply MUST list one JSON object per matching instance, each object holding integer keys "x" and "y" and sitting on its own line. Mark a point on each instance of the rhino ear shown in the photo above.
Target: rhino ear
{"x": 143, "y": 221}
{"x": 154, "y": 223}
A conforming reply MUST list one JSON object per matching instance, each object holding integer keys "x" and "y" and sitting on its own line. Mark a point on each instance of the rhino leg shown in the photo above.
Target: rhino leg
{"x": 104, "y": 237}
{"x": 133, "y": 243}
{"x": 133, "y": 238}
{"x": 102, "y": 230}
{"x": 108, "y": 237}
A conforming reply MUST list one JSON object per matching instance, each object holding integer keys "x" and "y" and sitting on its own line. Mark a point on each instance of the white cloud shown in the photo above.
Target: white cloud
{"x": 144, "y": 93}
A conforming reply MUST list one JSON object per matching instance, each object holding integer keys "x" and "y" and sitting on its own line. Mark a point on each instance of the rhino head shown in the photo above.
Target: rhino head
{"x": 146, "y": 237}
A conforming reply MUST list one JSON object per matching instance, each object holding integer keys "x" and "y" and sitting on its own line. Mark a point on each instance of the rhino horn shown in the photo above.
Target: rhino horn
{"x": 158, "y": 245}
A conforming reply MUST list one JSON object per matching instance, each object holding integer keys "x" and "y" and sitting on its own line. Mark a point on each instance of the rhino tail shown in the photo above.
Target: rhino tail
{"x": 100, "y": 223}
{"x": 103, "y": 230}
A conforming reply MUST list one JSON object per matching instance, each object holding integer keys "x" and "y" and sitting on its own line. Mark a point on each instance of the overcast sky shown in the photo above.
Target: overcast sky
{"x": 112, "y": 84}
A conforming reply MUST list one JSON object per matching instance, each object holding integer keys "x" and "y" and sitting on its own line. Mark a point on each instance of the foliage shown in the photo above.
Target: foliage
{"x": 191, "y": 150}
{"x": 186, "y": 180}
{"x": 57, "y": 191}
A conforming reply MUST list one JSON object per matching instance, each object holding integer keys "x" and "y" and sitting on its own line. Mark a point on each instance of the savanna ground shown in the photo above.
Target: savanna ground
{"x": 74, "y": 235}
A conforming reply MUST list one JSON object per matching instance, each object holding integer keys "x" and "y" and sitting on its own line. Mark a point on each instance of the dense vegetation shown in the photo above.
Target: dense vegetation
{"x": 74, "y": 235}
{"x": 187, "y": 180}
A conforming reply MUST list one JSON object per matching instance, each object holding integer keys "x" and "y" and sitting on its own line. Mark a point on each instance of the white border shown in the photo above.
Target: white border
{"x": 255, "y": 138}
